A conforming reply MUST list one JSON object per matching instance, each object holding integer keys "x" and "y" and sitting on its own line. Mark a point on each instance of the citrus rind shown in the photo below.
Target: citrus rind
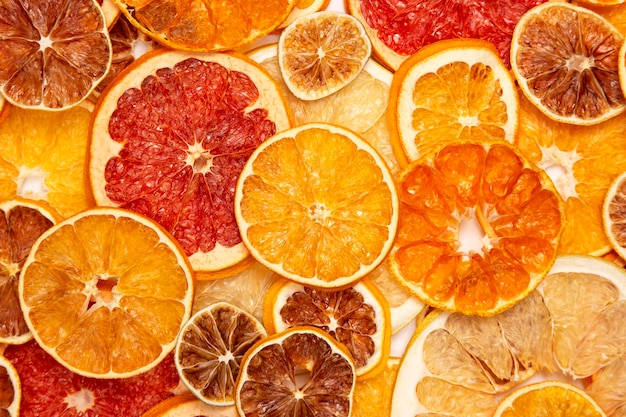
{"x": 187, "y": 404}
{"x": 612, "y": 215}
{"x": 14, "y": 395}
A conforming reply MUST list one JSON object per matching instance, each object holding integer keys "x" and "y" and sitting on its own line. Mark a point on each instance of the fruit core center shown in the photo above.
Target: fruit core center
{"x": 199, "y": 158}
{"x": 472, "y": 238}
{"x": 318, "y": 213}
{"x": 580, "y": 62}
{"x": 82, "y": 400}
{"x": 45, "y": 42}
{"x": 102, "y": 291}
{"x": 12, "y": 269}
{"x": 31, "y": 183}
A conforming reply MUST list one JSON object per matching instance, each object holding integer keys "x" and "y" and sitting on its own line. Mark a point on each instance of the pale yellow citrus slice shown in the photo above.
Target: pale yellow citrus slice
{"x": 10, "y": 389}
{"x": 112, "y": 305}
{"x": 187, "y": 404}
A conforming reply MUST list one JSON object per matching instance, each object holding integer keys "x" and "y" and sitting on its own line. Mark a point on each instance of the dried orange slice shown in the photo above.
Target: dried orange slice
{"x": 565, "y": 60}
{"x": 10, "y": 389}
{"x": 53, "y": 54}
{"x": 303, "y": 8}
{"x": 210, "y": 347}
{"x": 318, "y": 205}
{"x": 372, "y": 396}
{"x": 613, "y": 215}
{"x": 356, "y": 316}
{"x": 188, "y": 404}
{"x": 194, "y": 25}
{"x": 21, "y": 223}
{"x": 178, "y": 162}
{"x": 448, "y": 90}
{"x": 321, "y": 53}
{"x": 112, "y": 305}
{"x": 479, "y": 227}
{"x": 300, "y": 372}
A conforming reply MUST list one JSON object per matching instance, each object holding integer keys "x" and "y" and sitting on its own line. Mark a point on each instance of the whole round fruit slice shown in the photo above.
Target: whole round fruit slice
{"x": 565, "y": 60}
{"x": 300, "y": 372}
{"x": 194, "y": 25}
{"x": 42, "y": 156}
{"x": 479, "y": 227}
{"x": 10, "y": 389}
{"x": 400, "y": 29}
{"x": 169, "y": 138}
{"x": 52, "y": 54}
{"x": 449, "y": 90}
{"x": 186, "y": 405}
{"x": 112, "y": 305}
{"x": 613, "y": 214}
{"x": 316, "y": 204}
{"x": 357, "y": 316}
{"x": 550, "y": 398}
{"x": 210, "y": 348}
{"x": 321, "y": 53}
{"x": 21, "y": 223}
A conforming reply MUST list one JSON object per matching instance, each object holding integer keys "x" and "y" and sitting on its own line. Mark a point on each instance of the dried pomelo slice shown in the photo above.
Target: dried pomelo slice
{"x": 479, "y": 227}
{"x": 614, "y": 214}
{"x": 321, "y": 53}
{"x": 550, "y": 398}
{"x": 372, "y": 396}
{"x": 21, "y": 223}
{"x": 356, "y": 316}
{"x": 42, "y": 156}
{"x": 194, "y": 25}
{"x": 53, "y": 54}
{"x": 449, "y": 90}
{"x": 316, "y": 204}
{"x": 565, "y": 60}
{"x": 178, "y": 162}
{"x": 300, "y": 372}
{"x": 112, "y": 306}
{"x": 210, "y": 348}
{"x": 10, "y": 389}
{"x": 185, "y": 405}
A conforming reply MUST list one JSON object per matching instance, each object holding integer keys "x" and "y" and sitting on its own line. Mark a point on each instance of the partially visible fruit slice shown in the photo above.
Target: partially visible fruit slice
{"x": 21, "y": 223}
{"x": 479, "y": 227}
{"x": 52, "y": 54}
{"x": 565, "y": 60}
{"x": 602, "y": 3}
{"x": 111, "y": 12}
{"x": 614, "y": 214}
{"x": 169, "y": 138}
{"x": 10, "y": 389}
{"x": 112, "y": 305}
{"x": 449, "y": 90}
{"x": 299, "y": 372}
{"x": 321, "y": 53}
{"x": 356, "y": 316}
{"x": 209, "y": 350}
{"x": 185, "y": 405}
{"x": 550, "y": 398}
{"x": 303, "y": 8}
{"x": 316, "y": 204}
{"x": 372, "y": 396}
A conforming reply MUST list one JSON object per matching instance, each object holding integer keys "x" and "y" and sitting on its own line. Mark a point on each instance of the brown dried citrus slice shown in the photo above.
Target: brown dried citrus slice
{"x": 300, "y": 372}
{"x": 10, "y": 389}
{"x": 565, "y": 59}
{"x": 52, "y": 54}
{"x": 169, "y": 138}
{"x": 210, "y": 348}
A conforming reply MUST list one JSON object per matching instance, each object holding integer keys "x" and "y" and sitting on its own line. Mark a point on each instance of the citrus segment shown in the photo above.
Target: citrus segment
{"x": 450, "y": 90}
{"x": 299, "y": 372}
{"x": 10, "y": 389}
{"x": 372, "y": 396}
{"x": 112, "y": 306}
{"x": 170, "y": 137}
{"x": 316, "y": 204}
{"x": 187, "y": 404}
{"x": 565, "y": 59}
{"x": 321, "y": 53}
{"x": 53, "y": 54}
{"x": 479, "y": 227}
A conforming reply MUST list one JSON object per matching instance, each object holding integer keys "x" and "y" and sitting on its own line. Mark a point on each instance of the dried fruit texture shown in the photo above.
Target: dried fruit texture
{"x": 614, "y": 215}
{"x": 195, "y": 25}
{"x": 21, "y": 223}
{"x": 10, "y": 389}
{"x": 300, "y": 372}
{"x": 316, "y": 204}
{"x": 565, "y": 59}
{"x": 304, "y": 8}
{"x": 112, "y": 306}
{"x": 450, "y": 90}
{"x": 187, "y": 404}
{"x": 210, "y": 348}
{"x": 170, "y": 138}
{"x": 479, "y": 228}
{"x": 398, "y": 30}
{"x": 321, "y": 53}
{"x": 53, "y": 54}
{"x": 49, "y": 389}
{"x": 372, "y": 396}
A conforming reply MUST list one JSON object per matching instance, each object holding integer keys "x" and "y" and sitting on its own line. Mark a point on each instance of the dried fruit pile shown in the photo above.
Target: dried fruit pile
{"x": 244, "y": 208}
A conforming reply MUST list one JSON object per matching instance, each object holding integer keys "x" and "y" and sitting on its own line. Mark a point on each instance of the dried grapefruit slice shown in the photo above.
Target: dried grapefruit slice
{"x": 451, "y": 89}
{"x": 21, "y": 223}
{"x": 189, "y": 405}
{"x": 112, "y": 306}
{"x": 169, "y": 138}
{"x": 356, "y": 316}
{"x": 565, "y": 60}
{"x": 210, "y": 348}
{"x": 10, "y": 389}
{"x": 52, "y": 54}
{"x": 299, "y": 372}
{"x": 479, "y": 227}
{"x": 318, "y": 205}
